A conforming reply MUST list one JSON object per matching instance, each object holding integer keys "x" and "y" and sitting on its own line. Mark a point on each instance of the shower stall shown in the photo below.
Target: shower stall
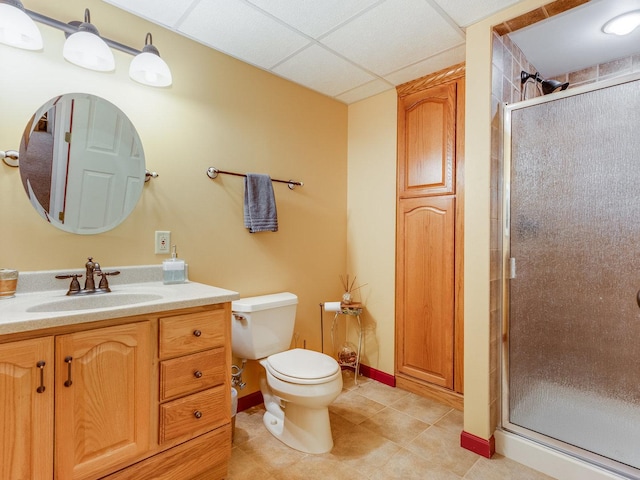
{"x": 571, "y": 244}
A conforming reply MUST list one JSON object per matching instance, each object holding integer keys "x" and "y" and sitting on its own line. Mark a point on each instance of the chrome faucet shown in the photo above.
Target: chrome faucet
{"x": 92, "y": 268}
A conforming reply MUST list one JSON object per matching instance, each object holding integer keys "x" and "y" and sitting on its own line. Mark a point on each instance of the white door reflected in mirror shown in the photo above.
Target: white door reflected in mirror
{"x": 82, "y": 163}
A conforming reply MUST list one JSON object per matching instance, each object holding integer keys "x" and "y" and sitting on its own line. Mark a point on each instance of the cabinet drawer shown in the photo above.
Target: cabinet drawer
{"x": 192, "y": 373}
{"x": 206, "y": 456}
{"x": 193, "y": 332}
{"x": 195, "y": 414}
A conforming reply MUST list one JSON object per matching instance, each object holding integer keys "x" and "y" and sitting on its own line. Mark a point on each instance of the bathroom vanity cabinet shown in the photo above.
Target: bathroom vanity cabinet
{"x": 141, "y": 397}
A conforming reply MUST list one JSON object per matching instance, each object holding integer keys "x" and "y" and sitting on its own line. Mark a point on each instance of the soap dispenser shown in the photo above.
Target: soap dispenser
{"x": 173, "y": 269}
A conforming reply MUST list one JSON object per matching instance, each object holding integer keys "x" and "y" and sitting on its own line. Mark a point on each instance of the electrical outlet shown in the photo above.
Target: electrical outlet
{"x": 163, "y": 242}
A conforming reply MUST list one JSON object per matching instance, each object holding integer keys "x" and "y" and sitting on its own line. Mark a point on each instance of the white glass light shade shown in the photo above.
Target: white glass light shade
{"x": 149, "y": 69}
{"x": 18, "y": 29}
{"x": 623, "y": 24}
{"x": 88, "y": 50}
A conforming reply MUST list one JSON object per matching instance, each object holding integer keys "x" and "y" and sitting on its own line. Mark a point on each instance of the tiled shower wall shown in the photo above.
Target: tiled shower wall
{"x": 507, "y": 63}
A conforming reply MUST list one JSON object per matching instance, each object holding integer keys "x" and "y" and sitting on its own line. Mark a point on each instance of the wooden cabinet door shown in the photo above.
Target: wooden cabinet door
{"x": 425, "y": 289}
{"x": 102, "y": 399}
{"x": 26, "y": 410}
{"x": 427, "y": 141}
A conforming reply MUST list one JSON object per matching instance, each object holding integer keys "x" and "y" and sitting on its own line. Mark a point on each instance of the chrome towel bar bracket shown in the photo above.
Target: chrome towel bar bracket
{"x": 10, "y": 158}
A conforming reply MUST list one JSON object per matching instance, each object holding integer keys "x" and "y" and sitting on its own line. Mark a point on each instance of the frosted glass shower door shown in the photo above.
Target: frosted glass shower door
{"x": 573, "y": 360}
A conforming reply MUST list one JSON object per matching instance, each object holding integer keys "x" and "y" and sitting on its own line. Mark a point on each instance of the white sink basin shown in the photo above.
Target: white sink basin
{"x": 93, "y": 301}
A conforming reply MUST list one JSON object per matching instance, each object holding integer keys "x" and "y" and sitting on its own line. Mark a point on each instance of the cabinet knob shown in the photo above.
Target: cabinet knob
{"x": 197, "y": 333}
{"x": 197, "y": 414}
{"x": 197, "y": 374}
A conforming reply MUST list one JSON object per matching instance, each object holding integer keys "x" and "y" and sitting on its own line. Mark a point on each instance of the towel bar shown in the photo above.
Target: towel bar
{"x": 213, "y": 172}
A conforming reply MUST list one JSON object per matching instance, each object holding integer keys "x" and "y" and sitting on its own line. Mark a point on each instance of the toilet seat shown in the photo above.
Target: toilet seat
{"x": 305, "y": 367}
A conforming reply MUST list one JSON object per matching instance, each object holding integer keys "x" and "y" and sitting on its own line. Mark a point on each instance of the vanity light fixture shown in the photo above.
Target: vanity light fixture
{"x": 623, "y": 24}
{"x": 87, "y": 49}
{"x": 148, "y": 68}
{"x": 17, "y": 29}
{"x": 84, "y": 46}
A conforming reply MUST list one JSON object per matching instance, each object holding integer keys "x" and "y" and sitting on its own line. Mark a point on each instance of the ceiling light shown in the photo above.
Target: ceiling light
{"x": 623, "y": 24}
{"x": 148, "y": 68}
{"x": 86, "y": 49}
{"x": 16, "y": 27}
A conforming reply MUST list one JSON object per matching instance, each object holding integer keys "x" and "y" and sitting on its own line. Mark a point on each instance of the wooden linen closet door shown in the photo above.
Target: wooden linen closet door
{"x": 426, "y": 288}
{"x": 427, "y": 142}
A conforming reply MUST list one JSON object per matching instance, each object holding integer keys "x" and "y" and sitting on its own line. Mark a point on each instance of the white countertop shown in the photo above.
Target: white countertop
{"x": 40, "y": 303}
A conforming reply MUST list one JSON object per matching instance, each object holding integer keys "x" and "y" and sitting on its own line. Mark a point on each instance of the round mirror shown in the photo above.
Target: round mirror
{"x": 82, "y": 163}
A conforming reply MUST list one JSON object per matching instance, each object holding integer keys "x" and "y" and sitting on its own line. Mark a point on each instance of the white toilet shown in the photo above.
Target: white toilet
{"x": 298, "y": 384}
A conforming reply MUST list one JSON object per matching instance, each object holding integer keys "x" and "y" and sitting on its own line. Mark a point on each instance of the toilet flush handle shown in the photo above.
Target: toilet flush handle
{"x": 239, "y": 317}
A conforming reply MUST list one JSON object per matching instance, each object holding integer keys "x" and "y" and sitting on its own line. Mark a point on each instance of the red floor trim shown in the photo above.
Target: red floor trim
{"x": 378, "y": 375}
{"x": 248, "y": 401}
{"x": 478, "y": 445}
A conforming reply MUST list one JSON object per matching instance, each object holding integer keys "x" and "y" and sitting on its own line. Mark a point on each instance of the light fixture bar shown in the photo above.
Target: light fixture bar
{"x": 69, "y": 29}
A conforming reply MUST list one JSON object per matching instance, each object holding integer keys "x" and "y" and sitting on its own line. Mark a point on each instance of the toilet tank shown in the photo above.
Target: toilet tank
{"x": 263, "y": 325}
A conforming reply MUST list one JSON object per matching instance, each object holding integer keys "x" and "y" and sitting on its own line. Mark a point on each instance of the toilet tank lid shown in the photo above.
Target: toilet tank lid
{"x": 264, "y": 302}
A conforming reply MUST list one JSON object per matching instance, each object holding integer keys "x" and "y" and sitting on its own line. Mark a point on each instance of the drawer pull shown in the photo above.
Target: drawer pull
{"x": 197, "y": 333}
{"x": 68, "y": 382}
{"x": 197, "y": 374}
{"x": 41, "y": 365}
{"x": 197, "y": 414}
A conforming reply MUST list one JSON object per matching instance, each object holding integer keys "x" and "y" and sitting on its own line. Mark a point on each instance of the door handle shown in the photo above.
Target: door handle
{"x": 68, "y": 381}
{"x": 41, "y": 365}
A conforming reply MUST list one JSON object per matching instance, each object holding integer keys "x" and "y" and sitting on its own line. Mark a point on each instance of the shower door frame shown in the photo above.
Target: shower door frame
{"x": 555, "y": 444}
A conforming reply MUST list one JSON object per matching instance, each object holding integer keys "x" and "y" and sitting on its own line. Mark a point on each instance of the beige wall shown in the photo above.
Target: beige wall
{"x": 479, "y": 297}
{"x": 371, "y": 221}
{"x": 219, "y": 112}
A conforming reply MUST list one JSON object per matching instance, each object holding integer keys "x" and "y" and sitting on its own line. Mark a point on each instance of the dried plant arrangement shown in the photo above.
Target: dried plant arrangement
{"x": 347, "y": 285}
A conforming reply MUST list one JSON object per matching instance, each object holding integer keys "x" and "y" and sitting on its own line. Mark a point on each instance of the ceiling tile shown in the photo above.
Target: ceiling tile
{"x": 364, "y": 91}
{"x": 164, "y": 12}
{"x": 321, "y": 70}
{"x": 313, "y": 17}
{"x": 432, "y": 64}
{"x": 468, "y": 12}
{"x": 235, "y": 28}
{"x": 393, "y": 35}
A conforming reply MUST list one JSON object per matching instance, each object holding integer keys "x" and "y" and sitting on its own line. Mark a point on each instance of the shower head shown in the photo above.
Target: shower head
{"x": 548, "y": 86}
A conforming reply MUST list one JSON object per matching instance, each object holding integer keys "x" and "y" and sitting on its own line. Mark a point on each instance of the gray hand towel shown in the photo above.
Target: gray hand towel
{"x": 260, "y": 213}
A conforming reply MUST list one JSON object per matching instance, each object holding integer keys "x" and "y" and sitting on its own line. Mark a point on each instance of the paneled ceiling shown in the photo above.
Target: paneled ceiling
{"x": 345, "y": 49}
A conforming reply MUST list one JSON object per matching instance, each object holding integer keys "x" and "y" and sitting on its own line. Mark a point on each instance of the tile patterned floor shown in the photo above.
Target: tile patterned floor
{"x": 380, "y": 433}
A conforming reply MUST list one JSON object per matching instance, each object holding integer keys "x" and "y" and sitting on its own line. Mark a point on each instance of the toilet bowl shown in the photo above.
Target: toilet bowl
{"x": 297, "y": 385}
{"x": 296, "y": 399}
